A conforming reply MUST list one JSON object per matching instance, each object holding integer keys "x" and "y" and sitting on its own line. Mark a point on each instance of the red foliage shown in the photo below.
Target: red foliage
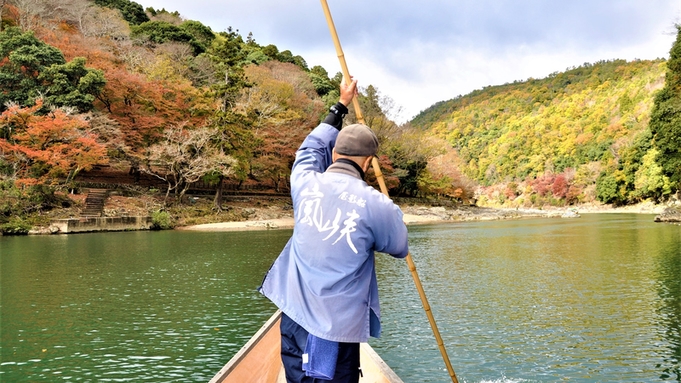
{"x": 573, "y": 194}
{"x": 511, "y": 190}
{"x": 386, "y": 167}
{"x": 542, "y": 184}
{"x": 10, "y": 15}
{"x": 560, "y": 186}
{"x": 142, "y": 107}
{"x": 57, "y": 143}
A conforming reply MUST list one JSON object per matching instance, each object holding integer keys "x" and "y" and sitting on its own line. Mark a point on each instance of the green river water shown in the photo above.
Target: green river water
{"x": 594, "y": 299}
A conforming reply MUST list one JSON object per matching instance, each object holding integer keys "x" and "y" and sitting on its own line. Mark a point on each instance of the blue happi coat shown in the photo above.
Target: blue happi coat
{"x": 325, "y": 277}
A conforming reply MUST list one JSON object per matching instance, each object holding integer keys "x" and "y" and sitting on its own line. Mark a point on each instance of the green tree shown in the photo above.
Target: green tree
{"x": 18, "y": 201}
{"x": 23, "y": 58}
{"x": 197, "y": 35}
{"x": 271, "y": 51}
{"x": 286, "y": 57}
{"x": 257, "y": 57}
{"x": 629, "y": 163}
{"x": 159, "y": 32}
{"x": 71, "y": 84}
{"x": 409, "y": 154}
{"x": 608, "y": 189}
{"x": 650, "y": 182}
{"x": 320, "y": 80}
{"x": 32, "y": 69}
{"x": 228, "y": 55}
{"x": 665, "y": 119}
{"x": 202, "y": 35}
{"x": 228, "y": 48}
{"x": 300, "y": 61}
{"x": 132, "y": 12}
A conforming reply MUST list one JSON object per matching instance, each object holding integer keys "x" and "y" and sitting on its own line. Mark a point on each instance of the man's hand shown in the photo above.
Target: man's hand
{"x": 347, "y": 92}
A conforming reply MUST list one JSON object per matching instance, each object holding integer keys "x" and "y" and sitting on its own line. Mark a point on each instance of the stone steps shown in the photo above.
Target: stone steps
{"x": 94, "y": 203}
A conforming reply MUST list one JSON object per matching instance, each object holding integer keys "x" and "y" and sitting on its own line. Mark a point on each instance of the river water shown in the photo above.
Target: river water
{"x": 594, "y": 299}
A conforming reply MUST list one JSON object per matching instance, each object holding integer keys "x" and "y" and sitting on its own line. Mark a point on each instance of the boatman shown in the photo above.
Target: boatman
{"x": 324, "y": 280}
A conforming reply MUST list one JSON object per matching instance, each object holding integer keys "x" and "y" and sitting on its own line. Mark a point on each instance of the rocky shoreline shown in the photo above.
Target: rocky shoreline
{"x": 268, "y": 214}
{"x": 669, "y": 215}
{"x": 272, "y": 218}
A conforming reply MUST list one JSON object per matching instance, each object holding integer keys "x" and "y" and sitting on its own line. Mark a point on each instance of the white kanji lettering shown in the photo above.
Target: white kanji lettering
{"x": 353, "y": 199}
{"x": 349, "y": 228}
{"x": 310, "y": 207}
{"x": 313, "y": 213}
{"x": 334, "y": 226}
{"x": 308, "y": 211}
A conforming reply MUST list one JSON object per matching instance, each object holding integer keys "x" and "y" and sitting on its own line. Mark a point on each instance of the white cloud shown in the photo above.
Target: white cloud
{"x": 419, "y": 53}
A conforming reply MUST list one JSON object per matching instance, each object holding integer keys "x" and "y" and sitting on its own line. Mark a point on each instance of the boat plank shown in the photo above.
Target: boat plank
{"x": 259, "y": 361}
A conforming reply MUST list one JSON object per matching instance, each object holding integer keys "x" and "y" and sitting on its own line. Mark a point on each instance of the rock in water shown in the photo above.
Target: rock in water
{"x": 570, "y": 213}
{"x": 669, "y": 215}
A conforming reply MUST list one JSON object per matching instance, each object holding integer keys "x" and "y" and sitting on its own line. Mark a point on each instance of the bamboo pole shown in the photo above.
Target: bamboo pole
{"x": 384, "y": 190}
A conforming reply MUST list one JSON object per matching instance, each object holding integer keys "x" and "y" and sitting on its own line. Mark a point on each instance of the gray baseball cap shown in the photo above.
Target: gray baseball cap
{"x": 356, "y": 140}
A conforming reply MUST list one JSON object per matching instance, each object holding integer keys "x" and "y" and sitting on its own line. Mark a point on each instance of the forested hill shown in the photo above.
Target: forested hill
{"x": 107, "y": 82}
{"x": 570, "y": 135}
{"x": 94, "y": 83}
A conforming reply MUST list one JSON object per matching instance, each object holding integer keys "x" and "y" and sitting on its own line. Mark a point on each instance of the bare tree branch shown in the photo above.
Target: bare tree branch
{"x": 188, "y": 155}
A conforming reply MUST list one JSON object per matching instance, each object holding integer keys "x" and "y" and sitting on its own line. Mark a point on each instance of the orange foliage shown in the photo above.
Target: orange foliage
{"x": 49, "y": 146}
{"x": 10, "y": 15}
{"x": 284, "y": 113}
{"x": 142, "y": 107}
{"x": 387, "y": 169}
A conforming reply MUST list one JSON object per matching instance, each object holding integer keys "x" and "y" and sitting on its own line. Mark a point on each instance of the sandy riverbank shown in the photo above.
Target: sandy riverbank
{"x": 286, "y": 223}
{"x": 414, "y": 215}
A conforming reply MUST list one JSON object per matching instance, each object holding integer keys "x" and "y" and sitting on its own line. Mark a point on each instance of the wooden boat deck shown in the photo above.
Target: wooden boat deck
{"x": 259, "y": 361}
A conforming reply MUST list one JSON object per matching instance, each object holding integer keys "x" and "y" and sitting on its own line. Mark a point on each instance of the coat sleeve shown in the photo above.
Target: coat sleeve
{"x": 314, "y": 154}
{"x": 391, "y": 235}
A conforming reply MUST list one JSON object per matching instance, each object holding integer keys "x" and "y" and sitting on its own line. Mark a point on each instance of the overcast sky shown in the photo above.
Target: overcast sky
{"x": 422, "y": 52}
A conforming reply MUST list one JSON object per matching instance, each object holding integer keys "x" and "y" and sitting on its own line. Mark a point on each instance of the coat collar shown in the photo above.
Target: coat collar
{"x": 347, "y": 166}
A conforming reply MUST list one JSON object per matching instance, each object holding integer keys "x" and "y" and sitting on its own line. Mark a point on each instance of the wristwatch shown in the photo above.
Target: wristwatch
{"x": 336, "y": 109}
{"x": 336, "y": 114}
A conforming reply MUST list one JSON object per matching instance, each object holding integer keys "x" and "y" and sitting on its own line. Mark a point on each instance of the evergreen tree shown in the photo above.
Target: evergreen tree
{"x": 32, "y": 69}
{"x": 131, "y": 11}
{"x": 160, "y": 32}
{"x": 320, "y": 80}
{"x": 193, "y": 33}
{"x": 228, "y": 55}
{"x": 202, "y": 35}
{"x": 665, "y": 120}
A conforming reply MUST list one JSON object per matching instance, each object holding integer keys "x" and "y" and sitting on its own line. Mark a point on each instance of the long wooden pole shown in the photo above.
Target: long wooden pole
{"x": 384, "y": 190}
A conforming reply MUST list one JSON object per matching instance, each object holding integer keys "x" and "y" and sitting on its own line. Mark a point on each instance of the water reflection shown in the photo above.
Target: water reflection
{"x": 669, "y": 311}
{"x": 167, "y": 306}
{"x": 537, "y": 300}
{"x": 542, "y": 300}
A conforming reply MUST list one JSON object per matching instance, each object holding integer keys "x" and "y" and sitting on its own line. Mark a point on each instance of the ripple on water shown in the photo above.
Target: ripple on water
{"x": 523, "y": 301}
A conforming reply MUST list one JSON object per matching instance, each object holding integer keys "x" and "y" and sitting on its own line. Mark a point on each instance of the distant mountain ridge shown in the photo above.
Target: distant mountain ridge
{"x": 583, "y": 121}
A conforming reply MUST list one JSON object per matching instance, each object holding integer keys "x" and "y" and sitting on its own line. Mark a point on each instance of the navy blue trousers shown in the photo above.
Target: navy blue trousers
{"x": 293, "y": 341}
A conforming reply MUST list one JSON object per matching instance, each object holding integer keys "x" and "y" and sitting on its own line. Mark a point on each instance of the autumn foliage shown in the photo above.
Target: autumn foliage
{"x": 108, "y": 82}
{"x": 47, "y": 148}
{"x": 576, "y": 136}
